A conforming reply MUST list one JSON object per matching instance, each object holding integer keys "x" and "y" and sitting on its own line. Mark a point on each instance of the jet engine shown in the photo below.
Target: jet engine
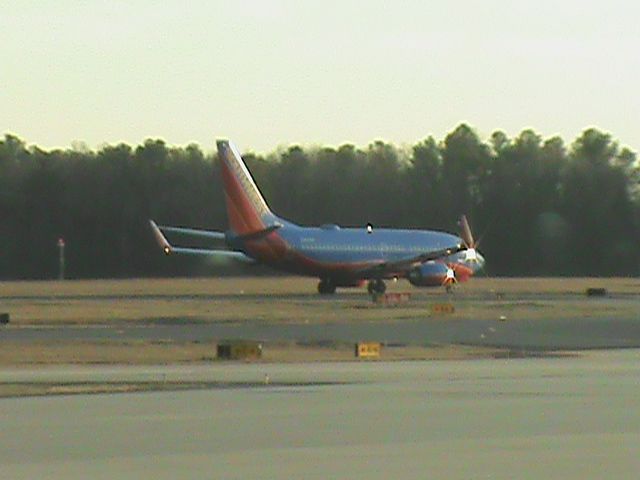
{"x": 431, "y": 274}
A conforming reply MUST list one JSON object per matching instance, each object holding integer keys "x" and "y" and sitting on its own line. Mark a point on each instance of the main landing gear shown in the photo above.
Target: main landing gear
{"x": 376, "y": 286}
{"x": 326, "y": 287}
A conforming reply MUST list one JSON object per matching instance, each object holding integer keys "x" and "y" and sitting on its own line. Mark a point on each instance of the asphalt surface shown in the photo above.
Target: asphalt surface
{"x": 552, "y": 418}
{"x": 539, "y": 334}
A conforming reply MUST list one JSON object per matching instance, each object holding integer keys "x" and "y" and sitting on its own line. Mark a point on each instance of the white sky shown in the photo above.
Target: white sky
{"x": 269, "y": 73}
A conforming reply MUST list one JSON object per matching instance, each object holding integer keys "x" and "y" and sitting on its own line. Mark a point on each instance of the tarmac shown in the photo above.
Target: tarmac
{"x": 530, "y": 334}
{"x": 553, "y": 418}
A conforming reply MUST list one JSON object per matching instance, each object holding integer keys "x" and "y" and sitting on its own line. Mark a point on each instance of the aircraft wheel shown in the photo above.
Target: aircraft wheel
{"x": 326, "y": 287}
{"x": 376, "y": 286}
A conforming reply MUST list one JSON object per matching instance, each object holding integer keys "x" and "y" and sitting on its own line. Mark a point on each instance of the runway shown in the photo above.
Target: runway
{"x": 570, "y": 418}
{"x": 530, "y": 334}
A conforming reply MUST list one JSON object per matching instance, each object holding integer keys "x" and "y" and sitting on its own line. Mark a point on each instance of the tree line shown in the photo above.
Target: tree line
{"x": 540, "y": 206}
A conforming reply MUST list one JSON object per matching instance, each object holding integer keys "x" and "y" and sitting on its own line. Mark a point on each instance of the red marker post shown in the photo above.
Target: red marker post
{"x": 61, "y": 246}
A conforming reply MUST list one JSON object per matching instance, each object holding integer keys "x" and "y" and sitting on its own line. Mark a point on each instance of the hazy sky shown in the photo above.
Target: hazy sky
{"x": 269, "y": 73}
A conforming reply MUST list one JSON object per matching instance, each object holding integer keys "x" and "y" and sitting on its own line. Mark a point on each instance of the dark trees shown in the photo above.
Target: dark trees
{"x": 541, "y": 208}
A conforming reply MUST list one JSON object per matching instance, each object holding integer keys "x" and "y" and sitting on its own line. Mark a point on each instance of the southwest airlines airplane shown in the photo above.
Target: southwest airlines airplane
{"x": 339, "y": 257}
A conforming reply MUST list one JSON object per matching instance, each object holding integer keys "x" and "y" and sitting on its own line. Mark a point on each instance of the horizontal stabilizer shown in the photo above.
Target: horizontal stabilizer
{"x": 169, "y": 249}
{"x": 193, "y": 232}
{"x": 214, "y": 254}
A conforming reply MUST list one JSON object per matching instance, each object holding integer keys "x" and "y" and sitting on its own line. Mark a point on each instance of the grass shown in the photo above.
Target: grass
{"x": 293, "y": 299}
{"x": 159, "y": 353}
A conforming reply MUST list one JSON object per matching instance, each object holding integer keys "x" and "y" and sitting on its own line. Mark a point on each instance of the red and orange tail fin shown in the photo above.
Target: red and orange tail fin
{"x": 246, "y": 208}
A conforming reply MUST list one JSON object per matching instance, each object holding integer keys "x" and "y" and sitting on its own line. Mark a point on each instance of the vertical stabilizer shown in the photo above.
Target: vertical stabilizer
{"x": 246, "y": 208}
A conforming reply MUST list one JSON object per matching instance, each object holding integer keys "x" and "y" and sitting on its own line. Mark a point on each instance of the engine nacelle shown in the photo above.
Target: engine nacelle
{"x": 430, "y": 274}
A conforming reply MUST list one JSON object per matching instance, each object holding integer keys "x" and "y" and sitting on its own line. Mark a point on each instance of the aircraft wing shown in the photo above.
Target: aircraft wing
{"x": 403, "y": 265}
{"x": 169, "y": 249}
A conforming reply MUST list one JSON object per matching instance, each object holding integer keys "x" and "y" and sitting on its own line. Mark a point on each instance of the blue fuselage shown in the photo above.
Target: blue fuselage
{"x": 342, "y": 253}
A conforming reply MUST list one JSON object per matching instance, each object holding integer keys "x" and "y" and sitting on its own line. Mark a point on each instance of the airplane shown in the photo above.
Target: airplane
{"x": 339, "y": 257}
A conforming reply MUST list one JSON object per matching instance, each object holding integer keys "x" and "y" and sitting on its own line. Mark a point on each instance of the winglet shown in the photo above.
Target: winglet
{"x": 160, "y": 238}
{"x": 466, "y": 234}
